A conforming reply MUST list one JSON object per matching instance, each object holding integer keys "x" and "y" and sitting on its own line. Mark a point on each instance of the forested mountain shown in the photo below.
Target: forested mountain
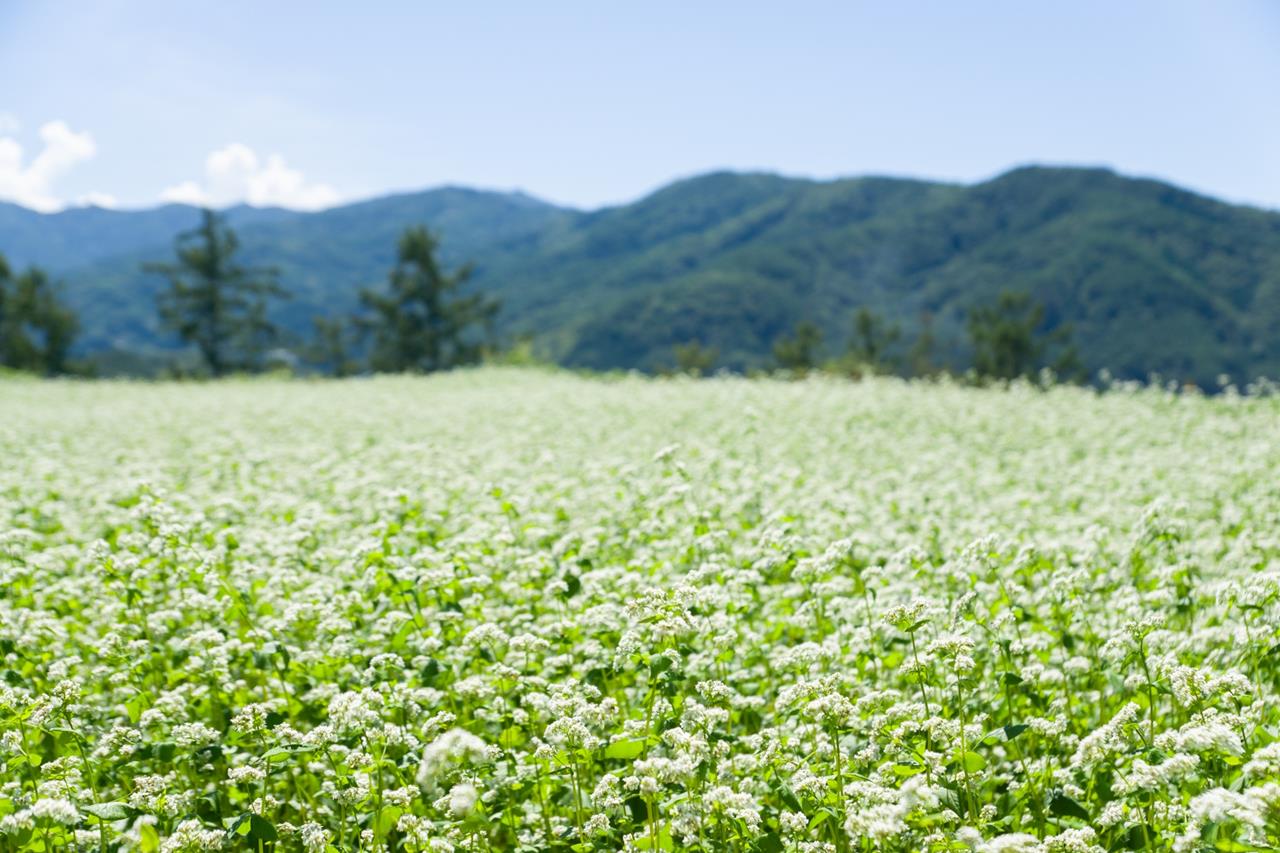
{"x": 82, "y": 235}
{"x": 1150, "y": 277}
{"x": 324, "y": 258}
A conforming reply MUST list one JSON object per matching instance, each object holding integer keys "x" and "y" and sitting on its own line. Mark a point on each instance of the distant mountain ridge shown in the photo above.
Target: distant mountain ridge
{"x": 1150, "y": 277}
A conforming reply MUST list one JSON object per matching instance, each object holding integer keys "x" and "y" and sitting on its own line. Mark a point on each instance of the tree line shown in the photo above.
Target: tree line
{"x": 36, "y": 327}
{"x": 1008, "y": 337}
{"x": 421, "y": 320}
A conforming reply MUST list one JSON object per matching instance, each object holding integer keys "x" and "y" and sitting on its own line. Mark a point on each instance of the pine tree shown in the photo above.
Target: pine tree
{"x": 213, "y": 302}
{"x": 36, "y": 328}
{"x": 799, "y": 353}
{"x": 1008, "y": 341}
{"x": 872, "y": 336}
{"x": 421, "y": 322}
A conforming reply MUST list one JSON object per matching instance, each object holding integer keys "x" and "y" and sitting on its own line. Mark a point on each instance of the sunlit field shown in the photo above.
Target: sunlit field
{"x": 514, "y": 610}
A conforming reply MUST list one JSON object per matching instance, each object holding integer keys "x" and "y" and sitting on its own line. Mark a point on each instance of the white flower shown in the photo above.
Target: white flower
{"x": 453, "y": 748}
{"x": 315, "y": 838}
{"x": 462, "y": 799}
{"x": 56, "y": 810}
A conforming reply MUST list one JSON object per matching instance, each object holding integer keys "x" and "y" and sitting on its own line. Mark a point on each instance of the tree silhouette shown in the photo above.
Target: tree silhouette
{"x": 213, "y": 302}
{"x": 331, "y": 347}
{"x": 421, "y": 322}
{"x": 694, "y": 358}
{"x": 872, "y": 336}
{"x": 1008, "y": 341}
{"x": 799, "y": 352}
{"x": 36, "y": 328}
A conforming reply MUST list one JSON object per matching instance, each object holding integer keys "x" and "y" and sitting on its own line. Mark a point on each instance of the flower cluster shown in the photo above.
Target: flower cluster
{"x": 510, "y": 610}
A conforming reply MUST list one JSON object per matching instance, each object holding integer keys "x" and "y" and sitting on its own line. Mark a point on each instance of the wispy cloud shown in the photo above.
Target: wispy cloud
{"x": 236, "y": 174}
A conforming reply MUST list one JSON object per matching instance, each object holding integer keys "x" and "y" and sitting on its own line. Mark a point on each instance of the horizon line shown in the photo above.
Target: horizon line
{"x": 671, "y": 182}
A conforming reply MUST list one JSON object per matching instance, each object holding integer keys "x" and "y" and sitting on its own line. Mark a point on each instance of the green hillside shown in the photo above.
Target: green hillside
{"x": 1150, "y": 277}
{"x": 84, "y": 235}
{"x": 324, "y": 258}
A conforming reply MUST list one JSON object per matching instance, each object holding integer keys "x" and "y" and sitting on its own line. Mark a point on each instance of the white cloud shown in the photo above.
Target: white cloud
{"x": 187, "y": 192}
{"x": 32, "y": 185}
{"x": 235, "y": 174}
{"x": 104, "y": 200}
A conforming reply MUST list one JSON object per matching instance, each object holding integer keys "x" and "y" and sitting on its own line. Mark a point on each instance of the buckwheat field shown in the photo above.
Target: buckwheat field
{"x": 511, "y": 610}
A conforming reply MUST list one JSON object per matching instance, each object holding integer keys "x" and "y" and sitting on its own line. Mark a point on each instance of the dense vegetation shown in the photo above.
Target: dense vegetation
{"x": 526, "y": 611}
{"x": 215, "y": 303}
{"x": 1149, "y": 277}
{"x": 422, "y": 321}
{"x": 36, "y": 328}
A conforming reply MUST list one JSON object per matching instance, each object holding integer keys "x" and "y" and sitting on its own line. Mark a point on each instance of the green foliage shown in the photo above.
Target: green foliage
{"x": 1149, "y": 277}
{"x": 332, "y": 344}
{"x": 215, "y": 303}
{"x": 36, "y": 327}
{"x": 422, "y": 322}
{"x": 922, "y": 357}
{"x": 1004, "y": 336}
{"x": 872, "y": 337}
{"x": 800, "y": 351}
{"x": 522, "y": 352}
{"x": 694, "y": 359}
{"x": 515, "y": 610}
{"x": 1009, "y": 339}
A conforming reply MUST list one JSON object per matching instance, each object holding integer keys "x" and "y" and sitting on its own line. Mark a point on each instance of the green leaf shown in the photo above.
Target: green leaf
{"x": 624, "y": 749}
{"x": 164, "y": 751}
{"x": 638, "y": 807}
{"x": 972, "y": 762}
{"x": 1006, "y": 733}
{"x": 387, "y": 819}
{"x": 430, "y": 670}
{"x": 1136, "y": 838}
{"x": 148, "y": 838}
{"x": 1063, "y": 806}
{"x": 279, "y": 753}
{"x": 789, "y": 798}
{"x": 110, "y": 811}
{"x": 253, "y": 829}
{"x": 770, "y": 843}
{"x": 512, "y": 737}
{"x": 1230, "y": 845}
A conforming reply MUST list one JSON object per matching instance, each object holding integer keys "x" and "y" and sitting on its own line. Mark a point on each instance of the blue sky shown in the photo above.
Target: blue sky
{"x": 591, "y": 103}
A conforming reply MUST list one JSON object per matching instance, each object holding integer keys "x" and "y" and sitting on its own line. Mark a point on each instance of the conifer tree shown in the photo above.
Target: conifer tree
{"x": 422, "y": 322}
{"x": 36, "y": 327}
{"x": 215, "y": 303}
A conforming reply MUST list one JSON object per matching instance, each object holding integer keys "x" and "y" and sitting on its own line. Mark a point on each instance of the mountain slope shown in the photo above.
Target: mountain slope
{"x": 323, "y": 258}
{"x": 1150, "y": 277}
{"x": 83, "y": 235}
